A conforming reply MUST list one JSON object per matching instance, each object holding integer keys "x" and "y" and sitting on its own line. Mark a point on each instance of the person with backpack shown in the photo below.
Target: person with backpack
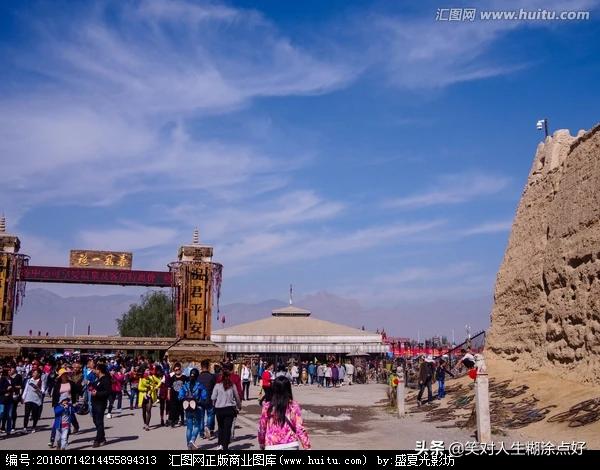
{"x": 227, "y": 402}
{"x": 192, "y": 396}
{"x": 280, "y": 426}
{"x": 209, "y": 381}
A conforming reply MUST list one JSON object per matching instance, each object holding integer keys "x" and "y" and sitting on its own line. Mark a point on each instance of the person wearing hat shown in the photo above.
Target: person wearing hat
{"x": 63, "y": 385}
{"x": 64, "y": 414}
{"x": 425, "y": 379}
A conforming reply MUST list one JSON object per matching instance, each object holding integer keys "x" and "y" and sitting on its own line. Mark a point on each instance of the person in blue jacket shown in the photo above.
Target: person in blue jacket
{"x": 64, "y": 415}
{"x": 195, "y": 398}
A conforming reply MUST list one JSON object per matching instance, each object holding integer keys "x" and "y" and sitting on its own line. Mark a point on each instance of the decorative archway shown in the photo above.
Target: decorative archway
{"x": 194, "y": 280}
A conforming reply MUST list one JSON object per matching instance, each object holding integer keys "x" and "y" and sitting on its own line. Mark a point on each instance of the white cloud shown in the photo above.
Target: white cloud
{"x": 265, "y": 249}
{"x": 422, "y": 284}
{"x": 488, "y": 227}
{"x": 452, "y": 189}
{"x": 110, "y": 111}
{"x": 422, "y": 53}
{"x": 129, "y": 237}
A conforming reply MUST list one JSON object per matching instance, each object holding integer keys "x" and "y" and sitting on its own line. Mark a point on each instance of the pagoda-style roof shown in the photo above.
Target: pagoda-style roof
{"x": 290, "y": 311}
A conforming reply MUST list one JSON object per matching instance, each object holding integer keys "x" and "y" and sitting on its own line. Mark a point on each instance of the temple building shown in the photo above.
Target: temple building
{"x": 292, "y": 332}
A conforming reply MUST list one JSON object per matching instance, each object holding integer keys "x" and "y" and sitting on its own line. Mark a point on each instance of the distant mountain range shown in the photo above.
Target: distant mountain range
{"x": 46, "y": 311}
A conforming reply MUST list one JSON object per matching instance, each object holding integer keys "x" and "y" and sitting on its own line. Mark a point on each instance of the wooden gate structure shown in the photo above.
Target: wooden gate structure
{"x": 194, "y": 280}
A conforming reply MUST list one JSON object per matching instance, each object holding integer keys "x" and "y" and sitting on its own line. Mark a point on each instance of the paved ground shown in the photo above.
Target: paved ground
{"x": 349, "y": 417}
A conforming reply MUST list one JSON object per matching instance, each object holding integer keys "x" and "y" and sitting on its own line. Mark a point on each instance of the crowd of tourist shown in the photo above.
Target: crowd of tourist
{"x": 205, "y": 399}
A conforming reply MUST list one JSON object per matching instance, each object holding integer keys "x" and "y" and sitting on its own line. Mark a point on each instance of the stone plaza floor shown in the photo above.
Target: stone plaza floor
{"x": 349, "y": 417}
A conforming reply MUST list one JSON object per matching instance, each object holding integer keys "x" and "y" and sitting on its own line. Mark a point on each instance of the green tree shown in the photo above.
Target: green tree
{"x": 153, "y": 316}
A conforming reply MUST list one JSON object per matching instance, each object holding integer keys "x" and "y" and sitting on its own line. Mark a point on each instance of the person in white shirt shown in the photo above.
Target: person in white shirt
{"x": 33, "y": 397}
{"x": 246, "y": 375}
{"x": 350, "y": 372}
{"x": 328, "y": 375}
{"x": 295, "y": 374}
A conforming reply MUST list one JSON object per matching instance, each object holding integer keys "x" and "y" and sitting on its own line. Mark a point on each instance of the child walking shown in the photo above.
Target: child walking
{"x": 64, "y": 414}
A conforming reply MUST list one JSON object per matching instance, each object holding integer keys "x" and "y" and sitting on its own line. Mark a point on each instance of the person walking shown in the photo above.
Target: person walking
{"x": 192, "y": 396}
{"x": 134, "y": 383}
{"x": 209, "y": 381}
{"x": 7, "y": 391}
{"x": 440, "y": 374}
{"x": 312, "y": 373}
{"x": 321, "y": 375}
{"x": 89, "y": 377}
{"x": 148, "y": 391}
{"x": 163, "y": 394}
{"x": 350, "y": 372}
{"x": 341, "y": 373}
{"x": 295, "y": 373}
{"x": 100, "y": 391}
{"x": 254, "y": 370}
{"x": 334, "y": 374}
{"x": 33, "y": 397}
{"x": 17, "y": 393}
{"x": 328, "y": 375}
{"x": 64, "y": 413}
{"x": 425, "y": 379}
{"x": 246, "y": 375}
{"x": 178, "y": 379}
{"x": 280, "y": 426}
{"x": 227, "y": 402}
{"x": 116, "y": 391}
{"x": 63, "y": 385}
{"x": 266, "y": 378}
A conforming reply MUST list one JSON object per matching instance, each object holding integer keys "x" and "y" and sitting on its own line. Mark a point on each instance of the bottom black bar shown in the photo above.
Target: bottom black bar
{"x": 371, "y": 459}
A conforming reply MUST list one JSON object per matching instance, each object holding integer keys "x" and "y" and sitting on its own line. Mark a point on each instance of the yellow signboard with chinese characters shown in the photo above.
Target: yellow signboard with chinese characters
{"x": 198, "y": 321}
{"x": 100, "y": 259}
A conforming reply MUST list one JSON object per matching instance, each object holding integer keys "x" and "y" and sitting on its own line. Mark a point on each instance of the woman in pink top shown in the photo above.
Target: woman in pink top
{"x": 280, "y": 426}
{"x": 117, "y": 379}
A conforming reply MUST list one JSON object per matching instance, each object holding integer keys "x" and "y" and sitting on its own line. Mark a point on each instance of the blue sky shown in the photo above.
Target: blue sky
{"x": 361, "y": 148}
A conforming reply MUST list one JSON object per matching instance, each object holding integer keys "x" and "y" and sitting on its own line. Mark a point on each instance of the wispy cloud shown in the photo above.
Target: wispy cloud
{"x": 283, "y": 210}
{"x": 116, "y": 93}
{"x": 451, "y": 189}
{"x": 421, "y": 53}
{"x": 488, "y": 227}
{"x": 274, "y": 248}
{"x": 129, "y": 237}
{"x": 422, "y": 284}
